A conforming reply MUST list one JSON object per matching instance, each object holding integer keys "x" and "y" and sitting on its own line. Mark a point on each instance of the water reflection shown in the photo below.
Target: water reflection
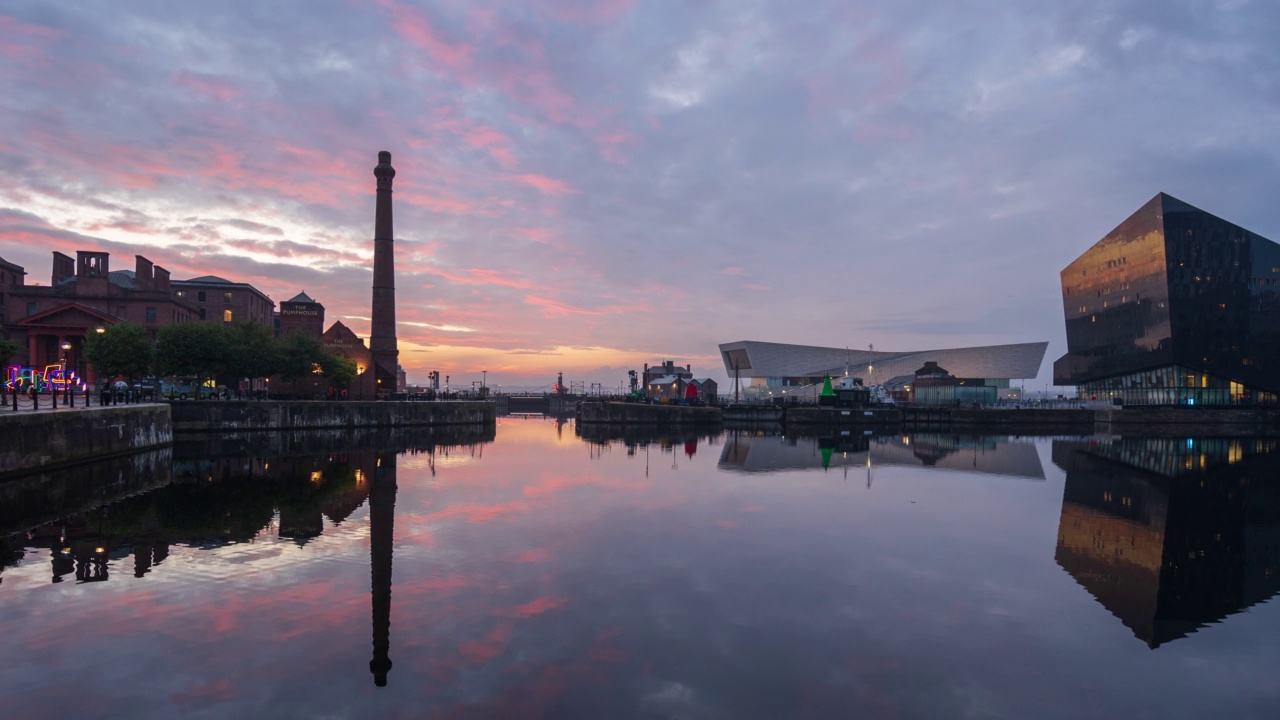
{"x": 209, "y": 492}
{"x": 857, "y": 449}
{"x": 559, "y": 577}
{"x": 1171, "y": 534}
{"x": 382, "y": 516}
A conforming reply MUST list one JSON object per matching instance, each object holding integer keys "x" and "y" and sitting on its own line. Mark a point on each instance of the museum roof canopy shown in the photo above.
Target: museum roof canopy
{"x": 757, "y": 359}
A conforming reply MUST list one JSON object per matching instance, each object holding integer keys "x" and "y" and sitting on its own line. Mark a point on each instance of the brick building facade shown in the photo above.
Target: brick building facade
{"x": 83, "y": 294}
{"x": 221, "y": 301}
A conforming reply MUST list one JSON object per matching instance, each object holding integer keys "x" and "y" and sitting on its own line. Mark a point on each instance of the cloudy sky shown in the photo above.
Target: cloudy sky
{"x": 587, "y": 186}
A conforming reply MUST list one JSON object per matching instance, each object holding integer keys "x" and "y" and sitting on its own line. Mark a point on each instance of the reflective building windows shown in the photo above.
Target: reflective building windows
{"x": 1174, "y": 306}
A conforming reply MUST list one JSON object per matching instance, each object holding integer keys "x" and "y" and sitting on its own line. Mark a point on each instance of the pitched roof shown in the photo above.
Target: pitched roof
{"x": 301, "y": 297}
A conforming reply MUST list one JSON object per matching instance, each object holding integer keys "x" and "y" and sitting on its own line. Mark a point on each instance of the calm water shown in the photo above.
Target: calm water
{"x": 539, "y": 573}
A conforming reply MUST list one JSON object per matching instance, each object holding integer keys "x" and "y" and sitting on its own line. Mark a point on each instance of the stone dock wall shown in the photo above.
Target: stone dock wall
{"x": 37, "y": 441}
{"x": 236, "y": 416}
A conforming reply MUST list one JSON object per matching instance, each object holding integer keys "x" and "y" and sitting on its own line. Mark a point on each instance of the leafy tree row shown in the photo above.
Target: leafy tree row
{"x": 207, "y": 351}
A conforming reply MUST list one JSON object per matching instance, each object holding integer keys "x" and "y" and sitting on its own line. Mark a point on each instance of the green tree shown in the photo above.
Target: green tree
{"x": 253, "y": 353}
{"x": 300, "y": 355}
{"x": 340, "y": 369}
{"x": 124, "y": 348}
{"x": 193, "y": 348}
{"x": 8, "y": 349}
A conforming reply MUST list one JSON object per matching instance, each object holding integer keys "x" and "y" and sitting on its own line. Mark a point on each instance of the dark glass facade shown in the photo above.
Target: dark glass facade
{"x": 1174, "y": 306}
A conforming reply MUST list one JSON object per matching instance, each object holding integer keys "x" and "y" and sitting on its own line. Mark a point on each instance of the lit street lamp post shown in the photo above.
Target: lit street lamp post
{"x": 360, "y": 382}
{"x": 66, "y": 350}
{"x": 97, "y": 361}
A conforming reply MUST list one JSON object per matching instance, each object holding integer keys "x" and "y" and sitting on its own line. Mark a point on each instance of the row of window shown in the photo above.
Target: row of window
{"x": 227, "y": 315}
{"x": 200, "y": 296}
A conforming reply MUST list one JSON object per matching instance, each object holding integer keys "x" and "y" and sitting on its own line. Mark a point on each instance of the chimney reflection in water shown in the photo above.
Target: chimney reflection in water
{"x": 382, "y": 515}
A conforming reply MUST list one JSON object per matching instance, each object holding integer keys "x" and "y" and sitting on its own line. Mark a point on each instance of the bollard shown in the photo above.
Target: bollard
{"x": 35, "y": 399}
{"x": 54, "y": 398}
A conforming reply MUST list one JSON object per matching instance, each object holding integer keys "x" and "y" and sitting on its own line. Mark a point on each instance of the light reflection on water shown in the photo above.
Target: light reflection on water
{"x": 626, "y": 572}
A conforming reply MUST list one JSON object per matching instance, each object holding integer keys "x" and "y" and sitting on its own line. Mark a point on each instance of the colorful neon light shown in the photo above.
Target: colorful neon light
{"x": 53, "y": 377}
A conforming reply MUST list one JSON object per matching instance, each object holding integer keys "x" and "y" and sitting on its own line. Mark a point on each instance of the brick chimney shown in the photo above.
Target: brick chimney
{"x": 63, "y": 267}
{"x": 142, "y": 278}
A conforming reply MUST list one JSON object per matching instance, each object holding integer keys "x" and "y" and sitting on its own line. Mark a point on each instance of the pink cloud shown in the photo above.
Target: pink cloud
{"x": 538, "y": 606}
{"x": 541, "y": 235}
{"x": 414, "y": 26}
{"x": 440, "y": 204}
{"x": 553, "y": 308}
{"x": 536, "y": 555}
{"x": 207, "y": 86}
{"x": 550, "y": 186}
{"x": 24, "y": 43}
{"x": 484, "y": 137}
{"x": 11, "y": 26}
{"x": 476, "y": 276}
{"x": 611, "y": 146}
{"x": 585, "y": 12}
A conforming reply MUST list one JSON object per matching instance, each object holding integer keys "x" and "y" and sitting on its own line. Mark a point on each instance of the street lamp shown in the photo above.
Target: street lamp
{"x": 101, "y": 329}
{"x": 360, "y": 381}
{"x": 66, "y": 349}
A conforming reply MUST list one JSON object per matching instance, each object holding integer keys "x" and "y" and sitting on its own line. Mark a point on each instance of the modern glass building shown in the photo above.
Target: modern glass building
{"x": 1174, "y": 307}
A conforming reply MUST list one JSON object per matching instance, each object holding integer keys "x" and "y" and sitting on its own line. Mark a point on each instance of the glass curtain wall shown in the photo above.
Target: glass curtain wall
{"x": 1175, "y": 385}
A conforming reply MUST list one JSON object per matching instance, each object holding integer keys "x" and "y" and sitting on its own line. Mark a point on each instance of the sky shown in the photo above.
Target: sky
{"x": 584, "y": 187}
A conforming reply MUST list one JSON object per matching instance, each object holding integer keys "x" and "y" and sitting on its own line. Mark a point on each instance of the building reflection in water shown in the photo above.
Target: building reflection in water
{"x": 756, "y": 452}
{"x": 1171, "y": 535}
{"x": 673, "y": 441}
{"x": 220, "y": 490}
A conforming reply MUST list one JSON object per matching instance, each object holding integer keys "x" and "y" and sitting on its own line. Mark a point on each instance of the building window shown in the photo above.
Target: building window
{"x": 226, "y": 316}
{"x": 31, "y": 308}
{"x": 182, "y": 293}
{"x": 200, "y": 296}
{"x": 226, "y": 298}
{"x": 202, "y": 313}
{"x": 151, "y": 314}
